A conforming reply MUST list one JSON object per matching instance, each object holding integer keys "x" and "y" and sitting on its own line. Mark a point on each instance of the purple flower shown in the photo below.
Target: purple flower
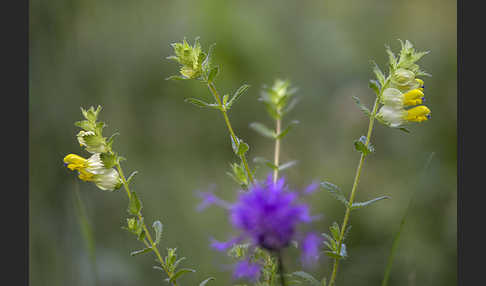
{"x": 246, "y": 269}
{"x": 269, "y": 214}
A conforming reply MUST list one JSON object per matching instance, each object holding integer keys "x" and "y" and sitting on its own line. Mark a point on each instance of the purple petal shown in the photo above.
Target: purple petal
{"x": 248, "y": 270}
{"x": 311, "y": 188}
{"x": 224, "y": 245}
{"x": 209, "y": 198}
{"x": 310, "y": 249}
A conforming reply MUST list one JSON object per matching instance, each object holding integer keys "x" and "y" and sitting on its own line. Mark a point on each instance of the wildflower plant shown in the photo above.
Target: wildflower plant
{"x": 268, "y": 216}
{"x": 104, "y": 169}
{"x": 400, "y": 95}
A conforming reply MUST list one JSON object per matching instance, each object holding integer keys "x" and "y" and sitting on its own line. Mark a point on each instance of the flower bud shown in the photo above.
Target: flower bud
{"x": 402, "y": 77}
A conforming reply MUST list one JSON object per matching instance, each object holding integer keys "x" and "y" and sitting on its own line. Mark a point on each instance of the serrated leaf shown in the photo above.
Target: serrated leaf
{"x": 334, "y": 228}
{"x": 134, "y": 206}
{"x": 367, "y": 203}
{"x": 238, "y": 93}
{"x": 307, "y": 277}
{"x": 360, "y": 146}
{"x": 157, "y": 226}
{"x": 180, "y": 273}
{"x": 206, "y": 281}
{"x": 142, "y": 251}
{"x": 287, "y": 129}
{"x": 263, "y": 130}
{"x": 363, "y": 108}
{"x": 335, "y": 191}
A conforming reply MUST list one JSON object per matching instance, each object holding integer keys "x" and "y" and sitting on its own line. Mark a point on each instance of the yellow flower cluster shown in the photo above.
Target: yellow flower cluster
{"x": 97, "y": 168}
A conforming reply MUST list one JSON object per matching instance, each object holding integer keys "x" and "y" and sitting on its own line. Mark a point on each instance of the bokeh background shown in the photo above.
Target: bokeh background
{"x": 112, "y": 53}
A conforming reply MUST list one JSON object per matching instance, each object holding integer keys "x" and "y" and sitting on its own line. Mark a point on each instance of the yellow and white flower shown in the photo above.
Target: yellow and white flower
{"x": 93, "y": 170}
{"x": 396, "y": 117}
{"x": 395, "y": 98}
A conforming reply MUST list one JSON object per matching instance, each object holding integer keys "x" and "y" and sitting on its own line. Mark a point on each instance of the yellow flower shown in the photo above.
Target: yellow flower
{"x": 418, "y": 114}
{"x": 93, "y": 170}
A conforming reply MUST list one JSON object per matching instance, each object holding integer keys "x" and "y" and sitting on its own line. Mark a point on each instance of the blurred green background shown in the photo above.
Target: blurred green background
{"x": 112, "y": 53}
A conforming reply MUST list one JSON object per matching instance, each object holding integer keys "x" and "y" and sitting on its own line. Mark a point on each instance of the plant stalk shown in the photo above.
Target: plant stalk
{"x": 150, "y": 243}
{"x": 216, "y": 95}
{"x": 277, "y": 151}
{"x": 353, "y": 192}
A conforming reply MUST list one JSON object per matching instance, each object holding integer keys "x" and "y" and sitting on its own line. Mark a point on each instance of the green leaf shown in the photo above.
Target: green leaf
{"x": 286, "y": 165}
{"x": 404, "y": 129}
{"x": 206, "y": 281}
{"x": 335, "y": 191}
{"x": 238, "y": 93}
{"x": 213, "y": 73}
{"x": 324, "y": 281}
{"x": 263, "y": 130}
{"x": 131, "y": 176}
{"x": 362, "y": 107}
{"x": 307, "y": 277}
{"x": 239, "y": 147}
{"x": 379, "y": 74}
{"x": 291, "y": 105}
{"x": 334, "y": 228}
{"x": 375, "y": 86}
{"x": 261, "y": 160}
{"x": 108, "y": 160}
{"x": 176, "y": 263}
{"x": 287, "y": 129}
{"x": 158, "y": 267}
{"x": 134, "y": 206}
{"x": 176, "y": 77}
{"x": 360, "y": 146}
{"x": 142, "y": 251}
{"x": 201, "y": 103}
{"x": 332, "y": 254}
{"x": 180, "y": 273}
{"x": 157, "y": 225}
{"x": 367, "y": 203}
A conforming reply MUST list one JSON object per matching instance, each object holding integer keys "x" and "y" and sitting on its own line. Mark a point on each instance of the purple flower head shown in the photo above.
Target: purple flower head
{"x": 269, "y": 214}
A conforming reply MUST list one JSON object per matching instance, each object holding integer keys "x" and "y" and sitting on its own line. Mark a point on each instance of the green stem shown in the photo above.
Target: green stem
{"x": 216, "y": 95}
{"x": 281, "y": 269}
{"x": 277, "y": 151}
{"x": 353, "y": 191}
{"x": 150, "y": 243}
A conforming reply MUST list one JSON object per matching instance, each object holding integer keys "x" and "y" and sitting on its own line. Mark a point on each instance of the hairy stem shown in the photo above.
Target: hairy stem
{"x": 216, "y": 95}
{"x": 277, "y": 151}
{"x": 150, "y": 243}
{"x": 353, "y": 192}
